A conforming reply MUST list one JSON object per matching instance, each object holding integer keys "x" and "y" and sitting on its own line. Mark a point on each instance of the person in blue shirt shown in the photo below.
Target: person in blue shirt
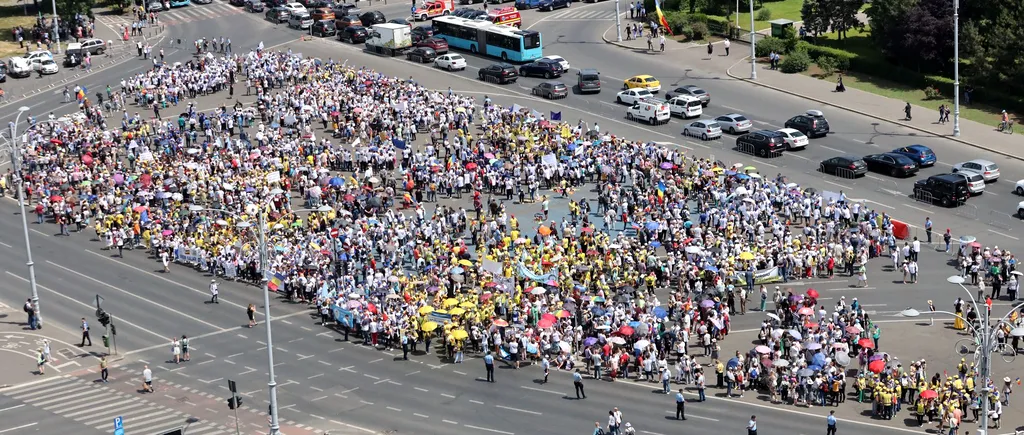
{"x": 489, "y": 364}
{"x": 831, "y": 429}
{"x": 577, "y": 381}
{"x": 680, "y": 405}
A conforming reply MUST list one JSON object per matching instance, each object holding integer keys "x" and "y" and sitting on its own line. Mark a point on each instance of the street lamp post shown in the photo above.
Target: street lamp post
{"x": 986, "y": 344}
{"x": 618, "y": 23}
{"x": 956, "y": 68}
{"x": 56, "y": 28}
{"x": 753, "y": 43}
{"x": 16, "y": 161}
{"x": 275, "y": 426}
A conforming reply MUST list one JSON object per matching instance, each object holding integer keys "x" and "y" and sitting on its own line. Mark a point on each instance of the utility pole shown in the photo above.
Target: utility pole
{"x": 56, "y": 28}
{"x": 956, "y": 68}
{"x": 986, "y": 367}
{"x": 753, "y": 43}
{"x": 618, "y": 23}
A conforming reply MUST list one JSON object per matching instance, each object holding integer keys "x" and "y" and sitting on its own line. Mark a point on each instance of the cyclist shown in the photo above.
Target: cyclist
{"x": 1006, "y": 121}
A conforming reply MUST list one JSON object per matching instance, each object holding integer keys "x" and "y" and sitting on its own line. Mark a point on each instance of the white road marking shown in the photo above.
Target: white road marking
{"x": 1002, "y": 234}
{"x": 488, "y": 429}
{"x": 22, "y": 427}
{"x": 518, "y": 410}
{"x": 540, "y": 390}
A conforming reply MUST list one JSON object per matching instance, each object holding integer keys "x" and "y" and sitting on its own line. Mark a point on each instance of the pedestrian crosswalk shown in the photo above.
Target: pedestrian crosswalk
{"x": 95, "y": 404}
{"x": 581, "y": 15}
{"x": 197, "y": 12}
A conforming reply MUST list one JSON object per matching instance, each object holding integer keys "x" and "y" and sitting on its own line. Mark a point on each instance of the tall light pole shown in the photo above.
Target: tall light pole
{"x": 618, "y": 23}
{"x": 753, "y": 43}
{"x": 275, "y": 426}
{"x": 56, "y": 29}
{"x": 20, "y": 186}
{"x": 956, "y": 68}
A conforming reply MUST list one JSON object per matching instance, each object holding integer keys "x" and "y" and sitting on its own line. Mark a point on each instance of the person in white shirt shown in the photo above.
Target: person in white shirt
{"x": 147, "y": 377}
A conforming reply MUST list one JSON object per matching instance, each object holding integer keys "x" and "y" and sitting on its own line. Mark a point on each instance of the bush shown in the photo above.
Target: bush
{"x": 677, "y": 21}
{"x": 720, "y": 26}
{"x": 842, "y": 58}
{"x": 932, "y": 93}
{"x": 768, "y": 45}
{"x": 796, "y": 62}
{"x": 763, "y": 14}
{"x": 827, "y": 65}
{"x": 698, "y": 31}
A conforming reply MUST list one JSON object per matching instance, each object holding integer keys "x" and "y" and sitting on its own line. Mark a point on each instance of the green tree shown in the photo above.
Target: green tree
{"x": 992, "y": 38}
{"x": 815, "y": 18}
{"x": 843, "y": 16}
{"x": 68, "y": 8}
{"x": 888, "y": 17}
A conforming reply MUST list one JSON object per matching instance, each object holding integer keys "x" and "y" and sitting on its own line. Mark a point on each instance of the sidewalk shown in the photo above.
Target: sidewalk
{"x": 737, "y": 66}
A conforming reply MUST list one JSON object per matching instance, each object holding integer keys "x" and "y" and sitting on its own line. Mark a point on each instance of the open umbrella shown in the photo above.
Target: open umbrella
{"x": 460, "y": 334}
{"x": 843, "y": 359}
{"x": 780, "y": 363}
{"x": 642, "y": 344}
{"x": 426, "y": 310}
{"x": 763, "y": 349}
{"x": 707, "y": 303}
{"x": 545, "y": 323}
{"x": 564, "y": 346}
{"x": 774, "y": 316}
{"x": 626, "y": 330}
{"x": 866, "y": 343}
{"x": 803, "y": 373}
{"x": 660, "y": 312}
{"x": 538, "y": 291}
{"x": 796, "y": 334}
{"x": 501, "y": 323}
{"x": 733, "y": 363}
{"x": 589, "y": 341}
{"x": 812, "y": 293}
{"x": 456, "y": 311}
{"x": 806, "y": 311}
{"x": 876, "y": 366}
{"x": 428, "y": 326}
{"x": 617, "y": 340}
{"x": 746, "y": 255}
{"x": 929, "y": 394}
{"x": 814, "y": 346}
{"x": 854, "y": 329}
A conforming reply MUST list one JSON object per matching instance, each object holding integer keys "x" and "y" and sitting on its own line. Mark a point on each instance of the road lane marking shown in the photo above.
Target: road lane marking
{"x": 393, "y": 409}
{"x": 476, "y": 402}
{"x": 13, "y": 407}
{"x": 1002, "y": 234}
{"x": 420, "y": 415}
{"x": 526, "y": 411}
{"x": 449, "y": 422}
{"x": 541, "y": 390}
{"x": 19, "y": 427}
{"x": 362, "y": 429}
{"x": 488, "y": 429}
{"x": 448, "y": 395}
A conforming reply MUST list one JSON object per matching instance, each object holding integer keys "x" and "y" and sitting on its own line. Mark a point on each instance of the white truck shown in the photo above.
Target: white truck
{"x": 389, "y": 39}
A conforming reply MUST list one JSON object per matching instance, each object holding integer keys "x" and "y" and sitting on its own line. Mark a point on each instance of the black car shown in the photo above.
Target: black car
{"x": 278, "y": 15}
{"x": 762, "y": 143}
{"x": 896, "y": 165}
{"x": 421, "y": 54}
{"x": 254, "y": 6}
{"x": 323, "y": 28}
{"x": 542, "y": 68}
{"x": 341, "y": 10}
{"x": 401, "y": 21}
{"x": 588, "y": 80}
{"x": 461, "y": 12}
{"x": 236, "y": 2}
{"x": 946, "y": 189}
{"x": 500, "y": 73}
{"x": 420, "y": 33}
{"x": 812, "y": 123}
{"x": 844, "y": 166}
{"x": 372, "y": 17}
{"x": 550, "y": 5}
{"x": 353, "y": 34}
{"x": 692, "y": 91}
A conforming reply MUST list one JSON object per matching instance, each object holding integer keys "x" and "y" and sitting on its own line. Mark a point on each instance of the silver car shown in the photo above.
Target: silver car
{"x": 987, "y": 169}
{"x": 705, "y": 129}
{"x": 734, "y": 123}
{"x": 975, "y": 182}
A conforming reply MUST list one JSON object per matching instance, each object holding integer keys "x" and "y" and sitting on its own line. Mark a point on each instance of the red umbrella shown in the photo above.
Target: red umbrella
{"x": 486, "y": 296}
{"x": 56, "y": 198}
{"x": 500, "y": 322}
{"x": 806, "y": 311}
{"x": 545, "y": 323}
{"x": 866, "y": 343}
{"x": 87, "y": 159}
{"x": 812, "y": 293}
{"x": 929, "y": 394}
{"x": 548, "y": 316}
{"x": 625, "y": 330}
{"x": 877, "y": 366}
{"x": 56, "y": 141}
{"x": 371, "y": 308}
{"x": 587, "y": 230}
{"x": 470, "y": 166}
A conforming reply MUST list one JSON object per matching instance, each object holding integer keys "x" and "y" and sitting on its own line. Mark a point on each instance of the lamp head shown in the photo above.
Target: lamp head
{"x": 910, "y": 312}
{"x": 956, "y": 279}
{"x": 243, "y": 224}
{"x": 24, "y": 109}
{"x": 194, "y": 207}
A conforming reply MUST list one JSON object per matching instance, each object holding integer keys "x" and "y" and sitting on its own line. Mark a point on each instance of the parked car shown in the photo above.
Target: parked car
{"x": 322, "y": 14}
{"x": 94, "y": 45}
{"x": 762, "y": 143}
{"x": 47, "y": 66}
{"x": 844, "y": 166}
{"x": 440, "y": 46}
{"x": 560, "y": 60}
{"x": 353, "y": 34}
{"x": 541, "y": 68}
{"x": 254, "y": 6}
{"x": 975, "y": 182}
{"x": 631, "y": 96}
{"x": 450, "y": 62}
{"x": 401, "y": 21}
{"x": 693, "y": 91}
{"x": 347, "y": 21}
{"x": 946, "y": 189}
{"x": 300, "y": 20}
{"x": 551, "y": 90}
{"x": 372, "y": 17}
{"x": 323, "y": 28}
{"x": 794, "y": 138}
{"x": 986, "y": 168}
{"x": 812, "y": 123}
{"x": 421, "y": 54}
{"x": 500, "y": 73}
{"x": 278, "y": 15}
{"x": 734, "y": 123}
{"x": 920, "y": 154}
{"x": 550, "y": 5}
{"x": 294, "y": 7}
{"x": 422, "y": 32}
{"x": 705, "y": 129}
{"x": 341, "y": 10}
{"x": 896, "y": 165}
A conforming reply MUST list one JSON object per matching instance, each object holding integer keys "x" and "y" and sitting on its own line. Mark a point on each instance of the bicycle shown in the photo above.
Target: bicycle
{"x": 1005, "y": 127}
{"x": 971, "y": 346}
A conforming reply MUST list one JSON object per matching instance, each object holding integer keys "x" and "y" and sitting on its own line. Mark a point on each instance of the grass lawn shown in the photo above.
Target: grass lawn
{"x": 860, "y": 43}
{"x": 788, "y": 9}
{"x": 12, "y": 14}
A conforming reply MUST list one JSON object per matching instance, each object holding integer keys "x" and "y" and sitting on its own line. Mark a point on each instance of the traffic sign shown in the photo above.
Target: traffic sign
{"x": 118, "y": 425}
{"x": 335, "y": 233}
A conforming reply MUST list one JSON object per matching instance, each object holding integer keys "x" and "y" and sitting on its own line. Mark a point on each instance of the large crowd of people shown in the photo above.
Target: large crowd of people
{"x": 388, "y": 206}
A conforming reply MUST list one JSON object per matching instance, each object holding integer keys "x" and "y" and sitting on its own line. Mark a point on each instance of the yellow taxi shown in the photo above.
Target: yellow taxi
{"x": 643, "y": 81}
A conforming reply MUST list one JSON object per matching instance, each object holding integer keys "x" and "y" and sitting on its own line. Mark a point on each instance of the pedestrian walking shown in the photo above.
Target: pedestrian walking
{"x": 546, "y": 365}
{"x": 215, "y": 293}
{"x": 928, "y": 228}
{"x": 489, "y": 365}
{"x": 185, "y": 356}
{"x": 165, "y": 258}
{"x": 752, "y": 425}
{"x": 40, "y": 361}
{"x": 711, "y": 49}
{"x": 85, "y": 333}
{"x": 680, "y": 405}
{"x": 577, "y": 382}
{"x": 103, "y": 370}
{"x": 147, "y": 379}
{"x": 250, "y": 312}
{"x": 46, "y": 350}
{"x": 831, "y": 419}
{"x": 727, "y": 44}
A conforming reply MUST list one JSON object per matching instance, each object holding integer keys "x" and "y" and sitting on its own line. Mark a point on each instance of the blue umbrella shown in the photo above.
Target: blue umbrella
{"x": 337, "y": 182}
{"x": 399, "y": 143}
{"x": 660, "y": 312}
{"x": 818, "y": 359}
{"x": 598, "y": 311}
{"x": 429, "y": 267}
{"x": 655, "y": 244}
{"x": 457, "y": 270}
{"x": 651, "y": 226}
{"x": 742, "y": 177}
{"x": 634, "y": 324}
{"x": 733, "y": 363}
{"x": 711, "y": 268}
{"x": 599, "y": 299}
{"x": 590, "y": 341}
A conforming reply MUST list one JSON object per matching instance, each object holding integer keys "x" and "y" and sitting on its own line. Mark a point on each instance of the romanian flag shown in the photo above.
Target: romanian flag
{"x": 276, "y": 281}
{"x": 661, "y": 17}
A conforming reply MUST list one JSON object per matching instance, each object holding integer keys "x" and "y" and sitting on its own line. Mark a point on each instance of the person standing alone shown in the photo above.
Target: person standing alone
{"x": 85, "y": 333}
{"x": 577, "y": 381}
{"x": 489, "y": 365}
{"x": 680, "y": 405}
{"x": 214, "y": 292}
{"x": 831, "y": 428}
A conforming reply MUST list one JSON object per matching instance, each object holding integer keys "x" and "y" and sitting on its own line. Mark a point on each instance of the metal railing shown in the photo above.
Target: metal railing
{"x": 923, "y": 196}
{"x": 969, "y": 211}
{"x": 762, "y": 152}
{"x": 887, "y": 187}
{"x": 1000, "y": 219}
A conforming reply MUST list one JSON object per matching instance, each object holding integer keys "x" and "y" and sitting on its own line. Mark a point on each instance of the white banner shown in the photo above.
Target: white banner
{"x": 763, "y": 276}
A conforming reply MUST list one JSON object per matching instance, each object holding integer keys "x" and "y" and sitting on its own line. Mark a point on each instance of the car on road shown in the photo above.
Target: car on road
{"x": 631, "y": 96}
{"x": 254, "y": 6}
{"x": 920, "y": 154}
{"x": 642, "y": 81}
{"x": 422, "y": 32}
{"x": 693, "y": 91}
{"x": 340, "y": 10}
{"x": 975, "y": 182}
{"x": 1019, "y": 188}
{"x": 401, "y": 21}
{"x": 353, "y": 34}
{"x": 762, "y": 143}
{"x": 541, "y": 68}
{"x": 294, "y": 7}
{"x": 203, "y": 2}
{"x": 3, "y": 72}
{"x": 500, "y": 73}
{"x": 440, "y": 46}
{"x": 844, "y": 166}
{"x": 588, "y": 80}
{"x": 812, "y": 123}
{"x": 39, "y": 55}
{"x": 421, "y": 54}
{"x": 896, "y": 165}
{"x": 47, "y": 66}
{"x": 734, "y": 123}
{"x": 794, "y": 138}
{"x": 946, "y": 189}
{"x": 527, "y": 4}
{"x": 706, "y": 129}
{"x": 1020, "y": 209}
{"x": 451, "y": 62}
{"x": 322, "y": 14}
{"x": 155, "y": 6}
{"x": 372, "y": 17}
{"x": 236, "y": 2}
{"x": 94, "y": 45}
{"x": 278, "y": 15}
{"x": 347, "y": 21}
{"x": 551, "y": 90}
{"x": 986, "y": 168}
{"x": 300, "y": 20}
{"x": 561, "y": 61}
{"x": 323, "y": 28}
{"x": 685, "y": 106}
{"x": 550, "y": 5}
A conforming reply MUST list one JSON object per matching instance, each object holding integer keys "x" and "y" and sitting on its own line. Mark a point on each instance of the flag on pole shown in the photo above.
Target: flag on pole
{"x": 276, "y": 281}
{"x": 556, "y": 116}
{"x": 661, "y": 17}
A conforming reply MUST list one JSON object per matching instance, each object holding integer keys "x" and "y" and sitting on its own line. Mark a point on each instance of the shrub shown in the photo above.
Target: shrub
{"x": 699, "y": 31}
{"x": 720, "y": 26}
{"x": 842, "y": 58}
{"x": 768, "y": 45}
{"x": 677, "y": 21}
{"x": 796, "y": 62}
{"x": 827, "y": 65}
{"x": 932, "y": 93}
{"x": 763, "y": 14}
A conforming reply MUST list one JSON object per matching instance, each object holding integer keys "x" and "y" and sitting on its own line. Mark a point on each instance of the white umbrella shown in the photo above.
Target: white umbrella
{"x": 353, "y": 296}
{"x": 777, "y": 333}
{"x": 642, "y": 344}
{"x": 780, "y": 363}
{"x": 774, "y": 316}
{"x": 617, "y": 340}
{"x": 602, "y": 327}
{"x": 538, "y": 291}
{"x": 693, "y": 249}
{"x": 1017, "y": 272}
{"x": 564, "y": 346}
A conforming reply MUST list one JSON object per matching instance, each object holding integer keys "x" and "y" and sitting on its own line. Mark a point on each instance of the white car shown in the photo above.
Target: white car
{"x": 450, "y": 62}
{"x": 793, "y": 138}
{"x": 561, "y": 61}
{"x": 975, "y": 182}
{"x": 1019, "y": 188}
{"x": 294, "y": 8}
{"x": 734, "y": 123}
{"x": 705, "y": 129}
{"x": 986, "y": 168}
{"x": 48, "y": 66}
{"x": 631, "y": 96}
{"x": 39, "y": 55}
{"x": 1020, "y": 209}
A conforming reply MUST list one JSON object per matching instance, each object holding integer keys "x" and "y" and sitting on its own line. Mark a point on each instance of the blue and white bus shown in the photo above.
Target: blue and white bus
{"x": 495, "y": 40}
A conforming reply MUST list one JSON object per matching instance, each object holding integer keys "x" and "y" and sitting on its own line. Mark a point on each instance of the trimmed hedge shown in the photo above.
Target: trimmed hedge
{"x": 796, "y": 62}
{"x": 769, "y": 44}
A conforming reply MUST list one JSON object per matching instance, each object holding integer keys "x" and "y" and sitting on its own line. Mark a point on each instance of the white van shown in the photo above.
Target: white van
{"x": 685, "y": 106}
{"x": 19, "y": 67}
{"x": 650, "y": 110}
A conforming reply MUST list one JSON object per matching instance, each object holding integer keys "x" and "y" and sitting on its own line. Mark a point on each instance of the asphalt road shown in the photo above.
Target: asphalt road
{"x": 326, "y": 383}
